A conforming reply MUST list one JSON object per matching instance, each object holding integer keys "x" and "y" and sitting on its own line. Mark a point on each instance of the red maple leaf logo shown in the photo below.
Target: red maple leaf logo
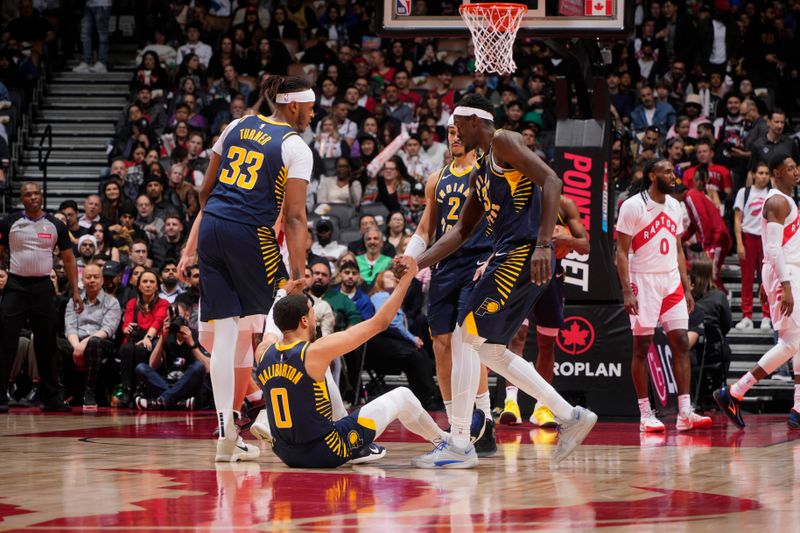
{"x": 578, "y": 337}
{"x": 575, "y": 335}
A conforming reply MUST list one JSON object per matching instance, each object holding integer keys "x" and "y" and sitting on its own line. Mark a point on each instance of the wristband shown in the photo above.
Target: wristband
{"x": 543, "y": 245}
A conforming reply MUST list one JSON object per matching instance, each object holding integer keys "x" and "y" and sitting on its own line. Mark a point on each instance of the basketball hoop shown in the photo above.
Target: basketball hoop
{"x": 493, "y": 27}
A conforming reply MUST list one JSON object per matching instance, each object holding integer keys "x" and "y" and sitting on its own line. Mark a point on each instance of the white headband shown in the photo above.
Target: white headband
{"x": 300, "y": 96}
{"x": 466, "y": 111}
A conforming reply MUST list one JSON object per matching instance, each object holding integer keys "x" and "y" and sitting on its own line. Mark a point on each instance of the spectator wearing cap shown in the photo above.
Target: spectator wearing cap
{"x": 87, "y": 248}
{"x": 394, "y": 107}
{"x": 112, "y": 279}
{"x": 152, "y": 110}
{"x": 195, "y": 46}
{"x": 416, "y": 206}
{"x": 693, "y": 109}
{"x": 342, "y": 188}
{"x": 90, "y": 332}
{"x": 168, "y": 246}
{"x": 709, "y": 100}
{"x": 325, "y": 246}
{"x": 651, "y": 112}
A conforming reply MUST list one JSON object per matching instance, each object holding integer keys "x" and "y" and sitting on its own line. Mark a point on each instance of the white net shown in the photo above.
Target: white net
{"x": 493, "y": 27}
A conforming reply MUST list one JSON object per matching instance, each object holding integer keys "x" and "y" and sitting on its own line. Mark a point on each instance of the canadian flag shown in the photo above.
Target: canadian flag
{"x": 598, "y": 8}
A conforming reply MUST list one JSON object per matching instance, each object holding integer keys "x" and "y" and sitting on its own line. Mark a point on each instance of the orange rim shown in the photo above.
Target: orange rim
{"x": 493, "y": 11}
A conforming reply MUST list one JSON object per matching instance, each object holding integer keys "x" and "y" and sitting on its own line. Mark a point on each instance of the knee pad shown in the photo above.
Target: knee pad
{"x": 495, "y": 355}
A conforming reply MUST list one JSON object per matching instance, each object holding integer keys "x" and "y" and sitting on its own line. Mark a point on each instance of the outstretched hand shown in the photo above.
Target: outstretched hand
{"x": 404, "y": 266}
{"x": 295, "y": 286}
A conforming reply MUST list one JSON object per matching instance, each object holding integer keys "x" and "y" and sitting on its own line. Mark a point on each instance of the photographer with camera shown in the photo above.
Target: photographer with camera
{"x": 176, "y": 368}
{"x": 142, "y": 323}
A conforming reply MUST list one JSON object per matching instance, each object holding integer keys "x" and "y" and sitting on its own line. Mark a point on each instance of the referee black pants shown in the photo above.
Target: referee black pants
{"x": 31, "y": 299}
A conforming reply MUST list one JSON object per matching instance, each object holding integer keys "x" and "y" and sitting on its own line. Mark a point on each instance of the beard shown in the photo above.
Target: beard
{"x": 170, "y": 282}
{"x": 665, "y": 188}
{"x": 318, "y": 289}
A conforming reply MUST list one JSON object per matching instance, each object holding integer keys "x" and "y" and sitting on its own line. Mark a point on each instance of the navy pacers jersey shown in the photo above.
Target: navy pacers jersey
{"x": 252, "y": 174}
{"x": 512, "y": 203}
{"x": 299, "y": 408}
{"x": 452, "y": 188}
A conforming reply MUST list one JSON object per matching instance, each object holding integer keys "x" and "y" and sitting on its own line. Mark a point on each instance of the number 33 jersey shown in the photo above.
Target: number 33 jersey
{"x": 653, "y": 228}
{"x": 258, "y": 155}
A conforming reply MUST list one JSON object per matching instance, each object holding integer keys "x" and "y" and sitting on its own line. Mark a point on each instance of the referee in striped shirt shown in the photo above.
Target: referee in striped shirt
{"x": 31, "y": 236}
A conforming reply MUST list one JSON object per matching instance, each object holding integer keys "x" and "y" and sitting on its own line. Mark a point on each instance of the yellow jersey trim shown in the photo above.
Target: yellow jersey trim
{"x": 284, "y": 347}
{"x": 366, "y": 422}
{"x": 274, "y": 122}
{"x": 469, "y": 323}
{"x": 457, "y": 174}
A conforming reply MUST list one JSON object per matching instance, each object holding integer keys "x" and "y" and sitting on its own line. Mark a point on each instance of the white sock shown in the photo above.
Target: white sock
{"x": 511, "y": 393}
{"x": 448, "y": 408}
{"x": 517, "y": 370}
{"x": 483, "y": 403}
{"x": 684, "y": 404}
{"x": 740, "y": 388}
{"x": 464, "y": 382}
{"x": 255, "y": 396}
{"x": 223, "y": 353}
{"x": 644, "y": 406}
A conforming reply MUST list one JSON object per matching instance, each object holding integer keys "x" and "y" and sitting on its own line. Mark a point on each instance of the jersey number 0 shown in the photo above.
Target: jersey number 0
{"x": 280, "y": 408}
{"x": 239, "y": 156}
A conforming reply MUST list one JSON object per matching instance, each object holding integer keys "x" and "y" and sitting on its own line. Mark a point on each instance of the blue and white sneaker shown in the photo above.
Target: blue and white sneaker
{"x": 794, "y": 419}
{"x": 477, "y": 426}
{"x": 367, "y": 454}
{"x": 445, "y": 455}
{"x": 572, "y": 432}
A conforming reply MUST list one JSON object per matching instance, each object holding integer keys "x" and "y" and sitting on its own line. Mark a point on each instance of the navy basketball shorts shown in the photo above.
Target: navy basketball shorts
{"x": 332, "y": 450}
{"x": 240, "y": 268}
{"x": 504, "y": 297}
{"x": 451, "y": 284}
{"x": 549, "y": 309}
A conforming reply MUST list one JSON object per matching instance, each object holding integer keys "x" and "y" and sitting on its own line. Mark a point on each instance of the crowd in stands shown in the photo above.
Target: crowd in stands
{"x": 711, "y": 87}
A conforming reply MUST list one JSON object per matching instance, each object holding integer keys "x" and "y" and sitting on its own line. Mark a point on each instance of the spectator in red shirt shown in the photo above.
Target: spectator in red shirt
{"x": 705, "y": 221}
{"x": 718, "y": 182}
{"x": 142, "y": 322}
{"x": 403, "y": 81}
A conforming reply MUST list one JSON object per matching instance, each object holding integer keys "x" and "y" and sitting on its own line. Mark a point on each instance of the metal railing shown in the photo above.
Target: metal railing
{"x": 47, "y": 135}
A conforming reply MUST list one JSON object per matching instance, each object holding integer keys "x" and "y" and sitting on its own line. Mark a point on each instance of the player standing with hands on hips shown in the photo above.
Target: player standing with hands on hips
{"x": 258, "y": 166}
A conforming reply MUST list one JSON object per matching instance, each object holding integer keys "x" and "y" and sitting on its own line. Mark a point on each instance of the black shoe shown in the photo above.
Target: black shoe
{"x": 30, "y": 399}
{"x": 367, "y": 454}
{"x": 58, "y": 406}
{"x": 729, "y": 405}
{"x": 486, "y": 446}
{"x": 89, "y": 401}
{"x": 3, "y": 403}
{"x": 187, "y": 404}
{"x": 124, "y": 399}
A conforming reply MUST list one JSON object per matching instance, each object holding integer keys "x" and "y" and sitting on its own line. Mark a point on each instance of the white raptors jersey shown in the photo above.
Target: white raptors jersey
{"x": 652, "y": 228}
{"x": 791, "y": 235}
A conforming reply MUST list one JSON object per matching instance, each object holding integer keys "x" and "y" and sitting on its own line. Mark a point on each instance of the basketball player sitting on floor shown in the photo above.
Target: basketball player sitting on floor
{"x": 292, "y": 376}
{"x": 780, "y": 222}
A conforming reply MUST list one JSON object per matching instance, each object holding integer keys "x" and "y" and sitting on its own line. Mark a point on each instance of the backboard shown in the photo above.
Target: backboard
{"x": 545, "y": 18}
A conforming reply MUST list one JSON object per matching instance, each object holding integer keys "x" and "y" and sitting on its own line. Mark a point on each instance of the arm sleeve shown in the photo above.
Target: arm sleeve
{"x": 217, "y": 148}
{"x": 773, "y": 250}
{"x": 298, "y": 158}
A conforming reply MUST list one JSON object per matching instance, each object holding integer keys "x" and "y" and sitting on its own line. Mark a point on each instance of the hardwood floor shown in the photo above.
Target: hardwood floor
{"x": 119, "y": 471}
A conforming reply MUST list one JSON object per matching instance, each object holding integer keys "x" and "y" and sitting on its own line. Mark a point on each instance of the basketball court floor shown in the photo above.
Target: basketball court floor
{"x": 115, "y": 471}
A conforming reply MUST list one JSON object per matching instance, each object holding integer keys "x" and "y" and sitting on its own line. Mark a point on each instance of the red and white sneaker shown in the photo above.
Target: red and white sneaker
{"x": 650, "y": 424}
{"x": 692, "y": 421}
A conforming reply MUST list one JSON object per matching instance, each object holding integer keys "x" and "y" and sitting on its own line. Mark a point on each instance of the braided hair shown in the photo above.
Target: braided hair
{"x": 641, "y": 186}
{"x": 275, "y": 85}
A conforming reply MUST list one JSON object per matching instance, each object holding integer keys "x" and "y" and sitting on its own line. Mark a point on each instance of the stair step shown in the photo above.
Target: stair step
{"x": 95, "y": 89}
{"x": 70, "y": 143}
{"x": 66, "y": 102}
{"x": 76, "y": 115}
{"x": 112, "y": 76}
{"x": 102, "y": 130}
{"x": 64, "y": 173}
{"x": 61, "y": 188}
{"x": 68, "y": 158}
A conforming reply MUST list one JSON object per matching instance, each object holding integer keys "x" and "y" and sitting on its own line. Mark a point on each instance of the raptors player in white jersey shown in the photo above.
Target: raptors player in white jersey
{"x": 655, "y": 286}
{"x": 780, "y": 228}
